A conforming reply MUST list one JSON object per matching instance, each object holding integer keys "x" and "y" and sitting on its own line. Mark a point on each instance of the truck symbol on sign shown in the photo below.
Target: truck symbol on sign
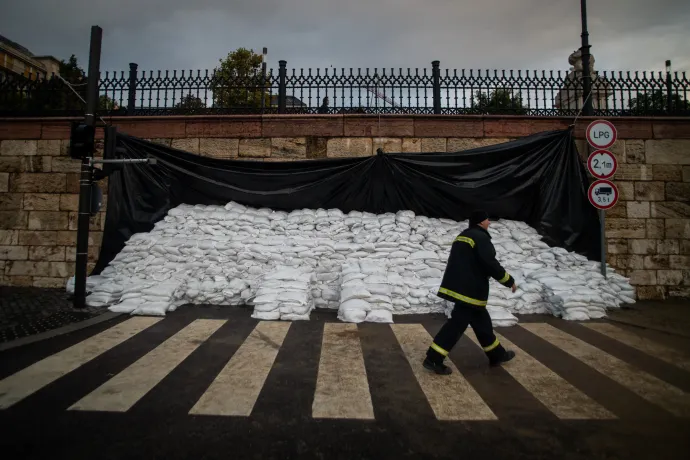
{"x": 603, "y": 191}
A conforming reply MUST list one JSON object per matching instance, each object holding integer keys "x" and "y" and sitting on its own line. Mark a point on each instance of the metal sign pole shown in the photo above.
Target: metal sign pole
{"x": 602, "y": 220}
{"x": 86, "y": 177}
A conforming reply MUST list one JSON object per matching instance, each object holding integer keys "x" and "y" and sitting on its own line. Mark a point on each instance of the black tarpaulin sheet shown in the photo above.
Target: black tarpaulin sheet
{"x": 537, "y": 179}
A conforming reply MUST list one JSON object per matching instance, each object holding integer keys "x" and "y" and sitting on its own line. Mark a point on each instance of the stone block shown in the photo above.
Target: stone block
{"x": 298, "y": 126}
{"x": 10, "y": 201}
{"x": 435, "y": 126}
{"x": 434, "y": 144}
{"x": 18, "y": 148}
{"x": 11, "y": 220}
{"x": 629, "y": 262}
{"x": 73, "y": 221}
{"x": 65, "y": 165}
{"x": 388, "y": 144}
{"x": 677, "y": 228}
{"x": 9, "y": 237}
{"x": 679, "y": 262}
{"x": 669, "y": 277}
{"x": 685, "y": 247}
{"x": 47, "y": 253}
{"x": 166, "y": 141}
{"x": 617, "y": 246}
{"x": 28, "y": 268}
{"x": 642, "y": 246}
{"x": 71, "y": 253}
{"x": 48, "y": 220}
{"x": 190, "y": 145}
{"x": 668, "y": 247}
{"x": 650, "y": 191}
{"x": 618, "y": 210}
{"x": 656, "y": 262}
{"x": 38, "y": 183}
{"x": 668, "y": 173}
{"x": 633, "y": 172}
{"x": 651, "y": 292}
{"x": 625, "y": 228}
{"x": 43, "y": 282}
{"x": 15, "y": 129}
{"x": 255, "y": 148}
{"x": 25, "y": 164}
{"x": 656, "y": 228}
{"x": 679, "y": 292}
{"x": 373, "y": 126}
{"x": 634, "y": 151}
{"x": 459, "y": 144}
{"x": 67, "y": 238}
{"x": 626, "y": 190}
{"x": 70, "y": 202}
{"x": 20, "y": 281}
{"x": 14, "y": 253}
{"x": 686, "y": 173}
{"x": 289, "y": 148}
{"x": 219, "y": 148}
{"x": 49, "y": 147}
{"x": 678, "y": 191}
{"x": 638, "y": 209}
{"x": 4, "y": 182}
{"x": 643, "y": 277}
{"x": 670, "y": 209}
{"x": 72, "y": 183}
{"x": 38, "y": 238}
{"x": 41, "y": 202}
{"x": 411, "y": 145}
{"x": 350, "y": 147}
{"x": 668, "y": 151}
{"x": 152, "y": 128}
{"x": 317, "y": 147}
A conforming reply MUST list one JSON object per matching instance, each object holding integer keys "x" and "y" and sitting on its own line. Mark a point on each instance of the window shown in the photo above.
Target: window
{"x": 2, "y": 59}
{"x": 9, "y": 62}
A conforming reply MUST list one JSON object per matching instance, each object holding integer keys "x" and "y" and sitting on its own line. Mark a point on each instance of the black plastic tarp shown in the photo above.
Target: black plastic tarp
{"x": 537, "y": 179}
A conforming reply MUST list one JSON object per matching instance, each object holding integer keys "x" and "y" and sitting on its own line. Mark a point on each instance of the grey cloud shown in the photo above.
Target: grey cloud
{"x": 525, "y": 34}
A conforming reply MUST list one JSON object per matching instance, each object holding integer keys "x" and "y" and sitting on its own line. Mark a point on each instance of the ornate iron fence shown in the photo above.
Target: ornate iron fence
{"x": 374, "y": 91}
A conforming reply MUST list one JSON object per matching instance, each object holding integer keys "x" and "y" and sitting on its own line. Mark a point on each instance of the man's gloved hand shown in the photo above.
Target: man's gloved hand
{"x": 514, "y": 288}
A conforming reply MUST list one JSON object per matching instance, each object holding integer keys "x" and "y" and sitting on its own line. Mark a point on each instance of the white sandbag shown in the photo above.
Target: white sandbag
{"x": 379, "y": 316}
{"x": 351, "y": 315}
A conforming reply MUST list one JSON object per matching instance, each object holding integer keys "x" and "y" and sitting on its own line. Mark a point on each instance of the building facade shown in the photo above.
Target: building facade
{"x": 16, "y": 59}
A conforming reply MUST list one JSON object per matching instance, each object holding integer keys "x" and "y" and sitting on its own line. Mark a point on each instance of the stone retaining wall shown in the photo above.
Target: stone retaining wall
{"x": 648, "y": 231}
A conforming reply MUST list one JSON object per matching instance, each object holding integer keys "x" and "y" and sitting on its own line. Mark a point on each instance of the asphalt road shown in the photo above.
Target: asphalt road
{"x": 277, "y": 390}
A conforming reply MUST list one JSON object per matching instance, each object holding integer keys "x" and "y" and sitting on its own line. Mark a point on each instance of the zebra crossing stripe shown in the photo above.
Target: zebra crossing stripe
{"x": 236, "y": 388}
{"x": 31, "y": 379}
{"x": 121, "y": 392}
{"x": 451, "y": 397}
{"x": 671, "y": 398}
{"x": 643, "y": 344}
{"x": 560, "y": 397}
{"x": 342, "y": 387}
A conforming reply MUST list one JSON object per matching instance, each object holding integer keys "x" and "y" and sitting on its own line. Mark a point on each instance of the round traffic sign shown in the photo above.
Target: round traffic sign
{"x": 601, "y": 134}
{"x": 602, "y": 164}
{"x": 603, "y": 194}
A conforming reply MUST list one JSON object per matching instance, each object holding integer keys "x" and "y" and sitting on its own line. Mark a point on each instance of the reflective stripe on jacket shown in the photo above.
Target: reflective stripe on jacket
{"x": 472, "y": 261}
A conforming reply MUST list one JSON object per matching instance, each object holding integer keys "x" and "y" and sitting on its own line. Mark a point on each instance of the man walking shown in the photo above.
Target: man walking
{"x": 466, "y": 282}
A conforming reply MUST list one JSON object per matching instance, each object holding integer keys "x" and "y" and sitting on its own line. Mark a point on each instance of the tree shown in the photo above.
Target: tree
{"x": 499, "y": 101}
{"x": 190, "y": 101}
{"x": 238, "y": 83}
{"x": 656, "y": 102}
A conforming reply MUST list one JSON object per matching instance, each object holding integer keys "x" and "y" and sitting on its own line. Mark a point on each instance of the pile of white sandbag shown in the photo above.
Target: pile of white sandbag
{"x": 228, "y": 255}
{"x": 284, "y": 294}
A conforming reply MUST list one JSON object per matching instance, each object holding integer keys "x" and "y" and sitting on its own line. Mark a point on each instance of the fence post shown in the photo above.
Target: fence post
{"x": 436, "y": 75}
{"x": 282, "y": 88}
{"x": 669, "y": 88}
{"x": 132, "y": 93}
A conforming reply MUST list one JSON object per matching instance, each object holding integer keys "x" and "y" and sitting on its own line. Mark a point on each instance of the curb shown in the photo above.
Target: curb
{"x": 59, "y": 331}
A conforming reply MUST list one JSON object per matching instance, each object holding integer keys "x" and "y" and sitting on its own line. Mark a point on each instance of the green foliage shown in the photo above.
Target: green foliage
{"x": 499, "y": 101}
{"x": 238, "y": 82}
{"x": 656, "y": 102}
{"x": 190, "y": 101}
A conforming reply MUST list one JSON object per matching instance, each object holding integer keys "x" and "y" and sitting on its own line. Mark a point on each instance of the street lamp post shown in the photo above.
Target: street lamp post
{"x": 587, "y": 109}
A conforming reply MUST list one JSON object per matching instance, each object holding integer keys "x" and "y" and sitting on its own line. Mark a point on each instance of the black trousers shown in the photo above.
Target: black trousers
{"x": 463, "y": 315}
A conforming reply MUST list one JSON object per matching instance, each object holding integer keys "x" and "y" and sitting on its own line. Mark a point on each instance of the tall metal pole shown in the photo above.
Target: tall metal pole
{"x": 86, "y": 178}
{"x": 587, "y": 109}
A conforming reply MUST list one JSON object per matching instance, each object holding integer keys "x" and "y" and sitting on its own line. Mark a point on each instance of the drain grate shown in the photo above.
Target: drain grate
{"x": 37, "y": 325}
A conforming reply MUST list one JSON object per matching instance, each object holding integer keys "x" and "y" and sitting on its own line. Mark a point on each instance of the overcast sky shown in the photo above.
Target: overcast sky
{"x": 496, "y": 34}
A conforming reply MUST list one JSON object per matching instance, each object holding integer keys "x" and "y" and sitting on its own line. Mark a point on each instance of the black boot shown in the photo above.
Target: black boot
{"x": 439, "y": 368}
{"x": 504, "y": 358}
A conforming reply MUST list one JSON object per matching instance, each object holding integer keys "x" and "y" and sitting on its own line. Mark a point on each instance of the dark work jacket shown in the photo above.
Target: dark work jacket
{"x": 472, "y": 261}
